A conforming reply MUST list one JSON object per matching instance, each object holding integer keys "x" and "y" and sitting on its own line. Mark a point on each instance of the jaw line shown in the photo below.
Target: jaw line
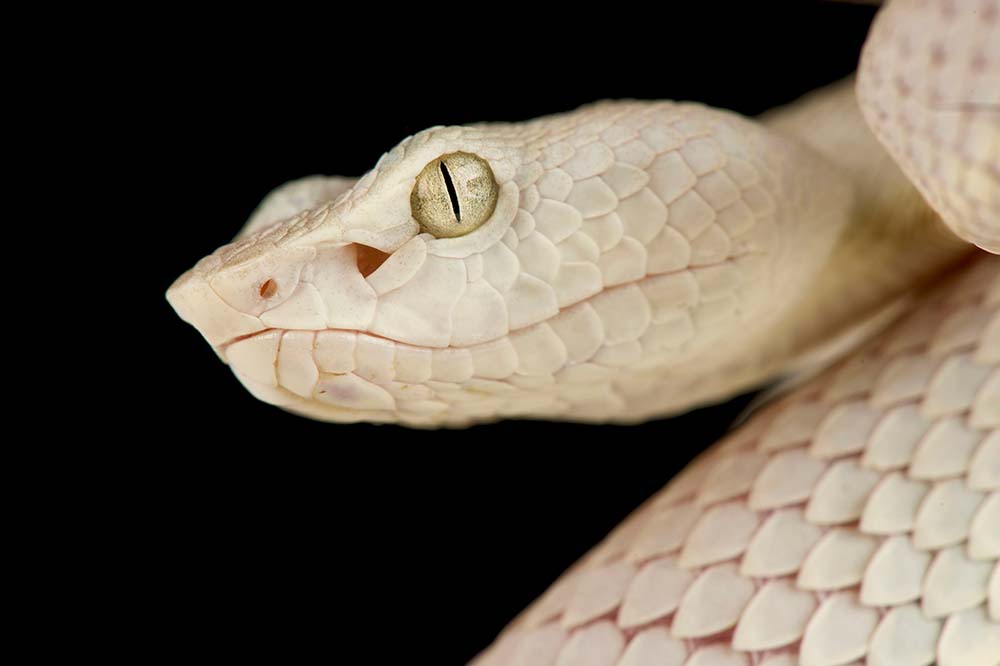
{"x": 221, "y": 348}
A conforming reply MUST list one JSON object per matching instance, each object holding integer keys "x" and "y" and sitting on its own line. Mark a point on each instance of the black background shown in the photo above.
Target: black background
{"x": 274, "y": 535}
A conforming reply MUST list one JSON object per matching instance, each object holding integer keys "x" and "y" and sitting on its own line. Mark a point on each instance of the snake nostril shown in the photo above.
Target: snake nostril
{"x": 369, "y": 258}
{"x": 268, "y": 289}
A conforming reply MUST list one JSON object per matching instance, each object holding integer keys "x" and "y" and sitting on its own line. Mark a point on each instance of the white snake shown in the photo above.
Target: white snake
{"x": 630, "y": 260}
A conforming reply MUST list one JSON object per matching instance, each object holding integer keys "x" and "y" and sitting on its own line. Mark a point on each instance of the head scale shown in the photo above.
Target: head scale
{"x": 578, "y": 266}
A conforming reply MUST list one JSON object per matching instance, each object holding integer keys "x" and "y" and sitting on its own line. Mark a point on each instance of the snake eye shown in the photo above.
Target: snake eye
{"x": 454, "y": 195}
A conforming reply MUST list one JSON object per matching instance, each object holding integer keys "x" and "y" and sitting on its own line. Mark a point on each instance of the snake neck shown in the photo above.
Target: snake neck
{"x": 893, "y": 243}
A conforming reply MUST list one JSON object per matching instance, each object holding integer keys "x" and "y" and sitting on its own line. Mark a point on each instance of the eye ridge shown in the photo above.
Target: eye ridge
{"x": 451, "y": 190}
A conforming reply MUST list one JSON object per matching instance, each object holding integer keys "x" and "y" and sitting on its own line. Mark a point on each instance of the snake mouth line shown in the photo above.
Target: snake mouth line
{"x": 221, "y": 349}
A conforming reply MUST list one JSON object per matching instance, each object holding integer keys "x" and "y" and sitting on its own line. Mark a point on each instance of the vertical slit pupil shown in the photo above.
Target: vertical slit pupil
{"x": 451, "y": 190}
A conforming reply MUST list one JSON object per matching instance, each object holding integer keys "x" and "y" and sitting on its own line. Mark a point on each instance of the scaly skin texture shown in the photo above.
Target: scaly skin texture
{"x": 929, "y": 89}
{"x": 644, "y": 258}
{"x": 630, "y": 243}
{"x": 856, "y": 519}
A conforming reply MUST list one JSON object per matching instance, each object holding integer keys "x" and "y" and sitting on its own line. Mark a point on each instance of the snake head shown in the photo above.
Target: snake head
{"x": 297, "y": 305}
{"x": 587, "y": 266}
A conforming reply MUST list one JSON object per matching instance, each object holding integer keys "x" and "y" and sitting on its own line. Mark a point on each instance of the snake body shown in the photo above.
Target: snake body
{"x": 635, "y": 259}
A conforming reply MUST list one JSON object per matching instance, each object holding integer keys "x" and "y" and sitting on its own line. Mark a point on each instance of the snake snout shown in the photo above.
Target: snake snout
{"x": 248, "y": 286}
{"x": 194, "y": 300}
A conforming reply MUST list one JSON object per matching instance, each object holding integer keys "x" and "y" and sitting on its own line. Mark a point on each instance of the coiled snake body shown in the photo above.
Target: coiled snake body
{"x": 631, "y": 260}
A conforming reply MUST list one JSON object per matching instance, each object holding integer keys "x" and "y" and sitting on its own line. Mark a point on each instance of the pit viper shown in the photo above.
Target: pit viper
{"x": 631, "y": 259}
